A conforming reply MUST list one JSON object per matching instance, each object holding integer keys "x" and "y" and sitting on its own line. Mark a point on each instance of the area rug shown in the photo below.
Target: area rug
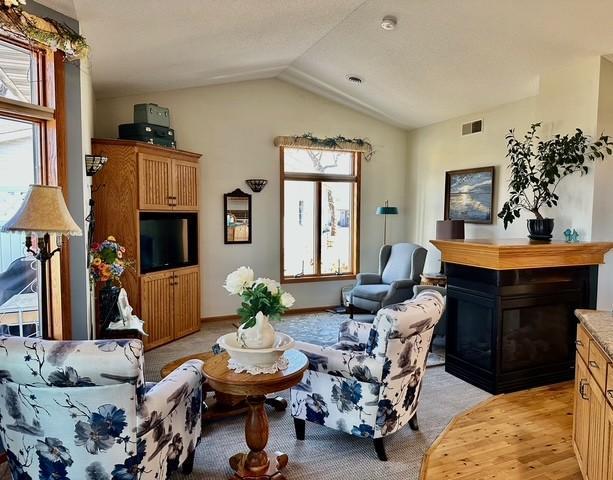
{"x": 325, "y": 454}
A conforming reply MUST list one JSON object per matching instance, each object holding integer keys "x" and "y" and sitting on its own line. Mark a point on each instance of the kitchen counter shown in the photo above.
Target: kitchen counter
{"x": 600, "y": 325}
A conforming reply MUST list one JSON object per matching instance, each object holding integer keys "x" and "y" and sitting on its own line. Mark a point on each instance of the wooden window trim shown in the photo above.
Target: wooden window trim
{"x": 319, "y": 179}
{"x": 50, "y": 114}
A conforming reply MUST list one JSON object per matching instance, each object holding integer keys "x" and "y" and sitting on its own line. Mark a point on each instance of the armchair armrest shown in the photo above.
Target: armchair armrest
{"x": 401, "y": 284}
{"x": 356, "y": 332}
{"x": 368, "y": 279}
{"x": 348, "y": 364}
{"x": 417, "y": 289}
{"x": 177, "y": 389}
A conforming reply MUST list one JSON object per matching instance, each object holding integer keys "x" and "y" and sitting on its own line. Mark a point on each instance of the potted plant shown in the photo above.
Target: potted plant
{"x": 537, "y": 167}
{"x": 262, "y": 299}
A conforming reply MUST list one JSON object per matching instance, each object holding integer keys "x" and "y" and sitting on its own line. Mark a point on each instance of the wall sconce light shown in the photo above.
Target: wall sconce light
{"x": 94, "y": 163}
{"x": 256, "y": 184}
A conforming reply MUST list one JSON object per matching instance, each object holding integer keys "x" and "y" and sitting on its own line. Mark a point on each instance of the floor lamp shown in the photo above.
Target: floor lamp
{"x": 385, "y": 211}
{"x": 42, "y": 213}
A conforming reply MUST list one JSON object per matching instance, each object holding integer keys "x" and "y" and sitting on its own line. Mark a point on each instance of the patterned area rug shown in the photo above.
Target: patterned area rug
{"x": 325, "y": 454}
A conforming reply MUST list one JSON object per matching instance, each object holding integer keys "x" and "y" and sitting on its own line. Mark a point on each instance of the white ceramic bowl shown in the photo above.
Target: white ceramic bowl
{"x": 263, "y": 357}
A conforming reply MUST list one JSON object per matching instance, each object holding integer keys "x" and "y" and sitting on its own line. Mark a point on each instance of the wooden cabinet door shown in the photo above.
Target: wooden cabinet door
{"x": 596, "y": 467}
{"x": 187, "y": 301}
{"x": 155, "y": 182}
{"x": 186, "y": 176}
{"x": 608, "y": 447}
{"x": 157, "y": 308}
{"x": 581, "y": 417}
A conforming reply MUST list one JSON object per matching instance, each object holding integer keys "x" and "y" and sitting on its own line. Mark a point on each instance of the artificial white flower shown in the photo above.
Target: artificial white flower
{"x": 287, "y": 299}
{"x": 271, "y": 285}
{"x": 237, "y": 281}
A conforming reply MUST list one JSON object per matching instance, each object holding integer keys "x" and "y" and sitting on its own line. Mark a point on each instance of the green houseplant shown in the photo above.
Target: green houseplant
{"x": 538, "y": 166}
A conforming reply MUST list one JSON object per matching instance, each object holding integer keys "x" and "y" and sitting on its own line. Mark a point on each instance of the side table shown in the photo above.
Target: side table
{"x": 256, "y": 465}
{"x": 220, "y": 405}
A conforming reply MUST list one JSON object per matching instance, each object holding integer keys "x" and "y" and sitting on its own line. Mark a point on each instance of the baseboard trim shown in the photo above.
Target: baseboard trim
{"x": 293, "y": 311}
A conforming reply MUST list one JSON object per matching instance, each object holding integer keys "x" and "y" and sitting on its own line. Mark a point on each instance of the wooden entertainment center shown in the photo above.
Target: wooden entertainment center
{"x": 140, "y": 178}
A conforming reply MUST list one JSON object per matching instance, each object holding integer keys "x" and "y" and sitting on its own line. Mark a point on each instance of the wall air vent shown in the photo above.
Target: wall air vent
{"x": 472, "y": 127}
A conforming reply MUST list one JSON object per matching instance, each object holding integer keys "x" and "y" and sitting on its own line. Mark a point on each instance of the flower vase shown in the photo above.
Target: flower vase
{"x": 109, "y": 310}
{"x": 259, "y": 336}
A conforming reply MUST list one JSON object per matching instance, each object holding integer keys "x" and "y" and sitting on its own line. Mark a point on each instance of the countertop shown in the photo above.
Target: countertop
{"x": 600, "y": 324}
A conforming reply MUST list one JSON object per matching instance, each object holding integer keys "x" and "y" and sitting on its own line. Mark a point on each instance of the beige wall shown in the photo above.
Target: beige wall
{"x": 234, "y": 125}
{"x": 602, "y": 216}
{"x": 568, "y": 99}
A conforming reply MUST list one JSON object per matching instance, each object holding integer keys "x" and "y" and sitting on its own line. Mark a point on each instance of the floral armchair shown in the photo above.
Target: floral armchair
{"x": 81, "y": 410}
{"x": 368, "y": 384}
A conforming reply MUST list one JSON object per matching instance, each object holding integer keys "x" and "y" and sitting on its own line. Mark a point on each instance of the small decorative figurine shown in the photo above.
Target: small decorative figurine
{"x": 571, "y": 236}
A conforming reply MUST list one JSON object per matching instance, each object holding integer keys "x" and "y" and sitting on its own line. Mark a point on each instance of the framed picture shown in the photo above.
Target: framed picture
{"x": 469, "y": 195}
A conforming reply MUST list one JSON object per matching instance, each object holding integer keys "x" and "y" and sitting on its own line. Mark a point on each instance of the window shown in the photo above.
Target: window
{"x": 28, "y": 153}
{"x": 320, "y": 214}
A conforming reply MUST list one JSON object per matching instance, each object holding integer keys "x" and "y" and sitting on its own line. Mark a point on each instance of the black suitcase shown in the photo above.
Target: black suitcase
{"x": 147, "y": 132}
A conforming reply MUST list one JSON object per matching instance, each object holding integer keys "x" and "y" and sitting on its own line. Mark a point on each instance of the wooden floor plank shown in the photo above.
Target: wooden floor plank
{"x": 524, "y": 436}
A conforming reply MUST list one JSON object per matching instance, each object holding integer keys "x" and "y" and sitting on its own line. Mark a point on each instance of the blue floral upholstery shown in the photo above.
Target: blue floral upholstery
{"x": 81, "y": 410}
{"x": 368, "y": 383}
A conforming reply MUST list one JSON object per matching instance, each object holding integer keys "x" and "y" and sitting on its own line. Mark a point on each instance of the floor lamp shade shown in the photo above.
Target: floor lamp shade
{"x": 450, "y": 230}
{"x": 385, "y": 211}
{"x": 43, "y": 211}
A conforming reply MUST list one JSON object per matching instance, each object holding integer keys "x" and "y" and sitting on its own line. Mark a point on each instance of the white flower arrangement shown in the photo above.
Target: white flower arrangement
{"x": 261, "y": 296}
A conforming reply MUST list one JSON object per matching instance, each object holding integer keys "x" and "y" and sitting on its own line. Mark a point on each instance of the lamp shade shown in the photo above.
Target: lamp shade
{"x": 43, "y": 211}
{"x": 450, "y": 230}
{"x": 387, "y": 210}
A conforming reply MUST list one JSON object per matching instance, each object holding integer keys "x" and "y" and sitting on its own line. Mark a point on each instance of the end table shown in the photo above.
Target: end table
{"x": 256, "y": 465}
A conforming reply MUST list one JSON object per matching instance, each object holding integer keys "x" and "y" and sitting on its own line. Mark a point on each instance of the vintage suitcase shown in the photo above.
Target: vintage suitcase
{"x": 151, "y": 113}
{"x": 145, "y": 132}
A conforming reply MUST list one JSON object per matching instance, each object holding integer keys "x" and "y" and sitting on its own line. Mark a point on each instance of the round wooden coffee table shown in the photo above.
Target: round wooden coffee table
{"x": 256, "y": 465}
{"x": 219, "y": 405}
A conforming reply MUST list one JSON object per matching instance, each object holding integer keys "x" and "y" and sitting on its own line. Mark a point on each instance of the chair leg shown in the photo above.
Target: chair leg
{"x": 413, "y": 422}
{"x": 299, "y": 425}
{"x": 380, "y": 449}
{"x": 351, "y": 311}
{"x": 188, "y": 464}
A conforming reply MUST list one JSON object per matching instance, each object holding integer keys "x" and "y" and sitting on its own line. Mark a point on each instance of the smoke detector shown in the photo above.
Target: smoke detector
{"x": 354, "y": 79}
{"x": 389, "y": 22}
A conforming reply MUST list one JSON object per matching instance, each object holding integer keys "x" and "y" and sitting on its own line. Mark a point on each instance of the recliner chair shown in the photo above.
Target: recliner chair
{"x": 400, "y": 268}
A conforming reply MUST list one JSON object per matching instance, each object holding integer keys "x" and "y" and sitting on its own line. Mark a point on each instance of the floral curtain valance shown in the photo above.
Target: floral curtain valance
{"x": 330, "y": 143}
{"x": 52, "y": 33}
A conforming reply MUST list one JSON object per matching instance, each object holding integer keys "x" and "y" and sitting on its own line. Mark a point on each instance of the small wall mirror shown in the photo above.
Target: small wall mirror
{"x": 237, "y": 217}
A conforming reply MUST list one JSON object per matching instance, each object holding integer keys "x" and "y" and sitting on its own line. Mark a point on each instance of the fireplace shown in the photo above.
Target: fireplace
{"x": 514, "y": 329}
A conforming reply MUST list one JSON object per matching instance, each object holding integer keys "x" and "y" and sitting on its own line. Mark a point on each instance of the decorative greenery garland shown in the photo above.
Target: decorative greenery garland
{"x": 50, "y": 32}
{"x": 335, "y": 142}
{"x": 329, "y": 143}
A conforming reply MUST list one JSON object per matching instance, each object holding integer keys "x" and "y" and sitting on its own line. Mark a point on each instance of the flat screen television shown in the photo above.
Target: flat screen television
{"x": 168, "y": 240}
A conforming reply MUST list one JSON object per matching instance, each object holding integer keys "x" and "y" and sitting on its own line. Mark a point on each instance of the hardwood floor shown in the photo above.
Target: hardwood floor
{"x": 524, "y": 435}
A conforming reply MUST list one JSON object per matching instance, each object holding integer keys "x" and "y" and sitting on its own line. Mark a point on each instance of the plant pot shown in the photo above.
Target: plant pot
{"x": 109, "y": 310}
{"x": 540, "y": 228}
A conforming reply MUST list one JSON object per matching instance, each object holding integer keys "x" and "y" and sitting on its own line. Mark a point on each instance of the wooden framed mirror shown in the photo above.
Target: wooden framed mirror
{"x": 237, "y": 217}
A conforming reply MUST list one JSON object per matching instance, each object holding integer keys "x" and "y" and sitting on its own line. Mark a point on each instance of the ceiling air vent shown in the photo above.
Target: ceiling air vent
{"x": 472, "y": 127}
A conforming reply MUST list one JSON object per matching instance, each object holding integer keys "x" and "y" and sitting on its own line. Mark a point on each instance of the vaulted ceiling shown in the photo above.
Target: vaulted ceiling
{"x": 445, "y": 58}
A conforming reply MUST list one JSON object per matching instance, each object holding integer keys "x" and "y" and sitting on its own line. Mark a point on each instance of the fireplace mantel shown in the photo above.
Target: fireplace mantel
{"x": 511, "y": 254}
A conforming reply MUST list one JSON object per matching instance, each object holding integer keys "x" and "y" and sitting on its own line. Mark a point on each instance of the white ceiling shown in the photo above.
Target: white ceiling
{"x": 446, "y": 57}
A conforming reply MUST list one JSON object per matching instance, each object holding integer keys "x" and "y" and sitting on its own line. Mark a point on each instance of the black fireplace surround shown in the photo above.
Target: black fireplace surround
{"x": 514, "y": 329}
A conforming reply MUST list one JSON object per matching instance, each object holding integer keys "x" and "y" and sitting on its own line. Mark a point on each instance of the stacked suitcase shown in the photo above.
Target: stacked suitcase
{"x": 151, "y": 125}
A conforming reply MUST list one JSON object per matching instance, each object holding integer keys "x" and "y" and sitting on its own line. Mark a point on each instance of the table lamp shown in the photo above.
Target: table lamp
{"x": 43, "y": 212}
{"x": 385, "y": 211}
